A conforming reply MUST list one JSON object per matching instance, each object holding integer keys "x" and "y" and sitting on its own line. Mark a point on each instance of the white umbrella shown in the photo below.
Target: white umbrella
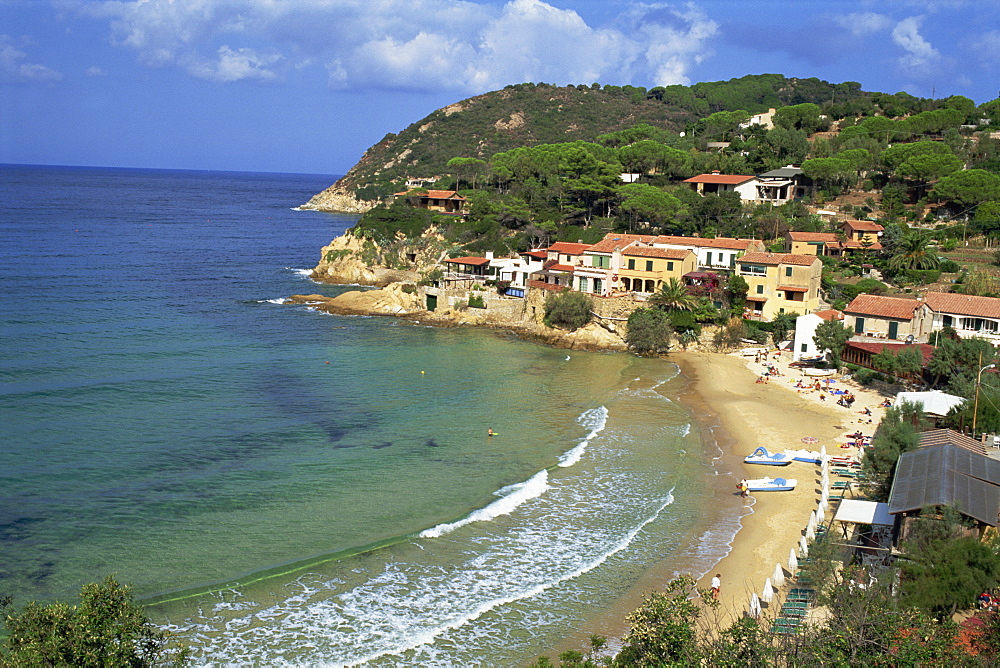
{"x": 824, "y": 496}
{"x": 768, "y": 594}
{"x": 811, "y": 532}
{"x": 803, "y": 547}
{"x": 824, "y": 507}
{"x": 820, "y": 513}
{"x": 755, "y": 606}
{"x": 822, "y": 451}
{"x": 812, "y": 520}
{"x": 779, "y": 576}
{"x": 793, "y": 563}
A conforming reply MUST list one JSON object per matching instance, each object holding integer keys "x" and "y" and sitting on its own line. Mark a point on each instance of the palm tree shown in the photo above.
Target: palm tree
{"x": 913, "y": 253}
{"x": 673, "y": 296}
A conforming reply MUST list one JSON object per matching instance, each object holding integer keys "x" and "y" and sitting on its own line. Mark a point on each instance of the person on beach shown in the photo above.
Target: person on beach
{"x": 744, "y": 488}
{"x": 716, "y": 586}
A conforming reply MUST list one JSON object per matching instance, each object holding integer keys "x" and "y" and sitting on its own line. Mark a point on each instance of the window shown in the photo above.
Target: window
{"x": 649, "y": 265}
{"x": 781, "y": 310}
{"x": 804, "y": 347}
{"x": 721, "y": 256}
{"x": 753, "y": 269}
{"x": 601, "y": 261}
{"x": 859, "y": 325}
{"x": 631, "y": 263}
{"x": 760, "y": 289}
{"x": 583, "y": 284}
{"x": 670, "y": 266}
{"x": 788, "y": 271}
{"x": 598, "y": 286}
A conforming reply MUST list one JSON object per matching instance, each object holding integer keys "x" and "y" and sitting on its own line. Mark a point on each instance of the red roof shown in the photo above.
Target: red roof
{"x": 537, "y": 254}
{"x": 433, "y": 194}
{"x": 721, "y": 179}
{"x": 475, "y": 261}
{"x": 874, "y": 348}
{"x": 792, "y": 288}
{"x": 969, "y": 305}
{"x": 568, "y": 248}
{"x": 830, "y": 314}
{"x": 666, "y": 253}
{"x": 759, "y": 257}
{"x": 878, "y": 306}
{"x": 862, "y": 225}
{"x": 562, "y": 267}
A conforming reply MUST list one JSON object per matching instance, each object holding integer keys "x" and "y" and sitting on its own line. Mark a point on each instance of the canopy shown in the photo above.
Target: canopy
{"x": 864, "y": 512}
{"x": 937, "y": 404}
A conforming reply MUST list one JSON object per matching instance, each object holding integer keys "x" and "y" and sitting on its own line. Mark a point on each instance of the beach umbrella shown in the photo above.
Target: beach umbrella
{"x": 768, "y": 594}
{"x": 803, "y": 547}
{"x": 820, "y": 513}
{"x": 811, "y": 531}
{"x": 812, "y": 520}
{"x": 810, "y": 439}
{"x": 825, "y": 506}
{"x": 822, "y": 451}
{"x": 779, "y": 576}
{"x": 754, "y": 606}
{"x": 825, "y": 496}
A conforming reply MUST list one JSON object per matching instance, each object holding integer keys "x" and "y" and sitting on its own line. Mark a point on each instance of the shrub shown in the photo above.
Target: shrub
{"x": 922, "y": 276}
{"x": 649, "y": 331}
{"x": 476, "y": 301}
{"x": 568, "y": 310}
{"x": 949, "y": 267}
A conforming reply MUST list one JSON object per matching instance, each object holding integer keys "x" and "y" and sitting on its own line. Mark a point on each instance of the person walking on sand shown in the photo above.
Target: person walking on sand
{"x": 716, "y": 586}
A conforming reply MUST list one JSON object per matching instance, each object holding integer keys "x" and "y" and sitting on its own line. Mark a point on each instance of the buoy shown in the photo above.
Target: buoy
{"x": 328, "y": 361}
{"x": 421, "y": 373}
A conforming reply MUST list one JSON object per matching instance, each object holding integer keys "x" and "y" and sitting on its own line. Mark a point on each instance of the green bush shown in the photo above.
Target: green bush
{"x": 922, "y": 276}
{"x": 949, "y": 267}
{"x": 476, "y": 301}
{"x": 649, "y": 331}
{"x": 568, "y": 310}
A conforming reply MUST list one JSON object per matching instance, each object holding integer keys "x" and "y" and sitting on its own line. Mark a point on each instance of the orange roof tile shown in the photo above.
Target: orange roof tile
{"x": 718, "y": 242}
{"x": 562, "y": 267}
{"x": 830, "y": 314}
{"x": 863, "y": 225}
{"x": 813, "y": 236}
{"x": 475, "y": 261}
{"x": 792, "y": 288}
{"x": 981, "y": 307}
{"x": 722, "y": 179}
{"x": 878, "y": 306}
{"x": 568, "y": 248}
{"x": 758, "y": 257}
{"x": 613, "y": 242}
{"x": 433, "y": 194}
{"x": 666, "y": 253}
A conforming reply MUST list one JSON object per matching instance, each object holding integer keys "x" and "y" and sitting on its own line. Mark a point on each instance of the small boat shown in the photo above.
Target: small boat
{"x": 755, "y": 350}
{"x": 762, "y": 456}
{"x": 818, "y": 373}
{"x": 808, "y": 456}
{"x": 772, "y": 484}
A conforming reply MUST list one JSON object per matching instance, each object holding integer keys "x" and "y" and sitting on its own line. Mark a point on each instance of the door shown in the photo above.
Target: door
{"x": 893, "y": 329}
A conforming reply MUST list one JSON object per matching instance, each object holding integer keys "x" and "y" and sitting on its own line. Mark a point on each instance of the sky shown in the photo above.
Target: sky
{"x": 307, "y": 85}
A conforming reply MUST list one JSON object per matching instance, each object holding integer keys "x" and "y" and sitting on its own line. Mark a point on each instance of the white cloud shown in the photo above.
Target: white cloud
{"x": 414, "y": 44}
{"x": 987, "y": 47}
{"x": 94, "y": 71}
{"x": 15, "y": 69}
{"x": 866, "y": 23}
{"x": 919, "y": 52}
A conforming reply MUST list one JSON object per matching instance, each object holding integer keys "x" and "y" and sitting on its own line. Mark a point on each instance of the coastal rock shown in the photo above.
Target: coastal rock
{"x": 341, "y": 262}
{"x": 336, "y": 199}
{"x": 391, "y": 300}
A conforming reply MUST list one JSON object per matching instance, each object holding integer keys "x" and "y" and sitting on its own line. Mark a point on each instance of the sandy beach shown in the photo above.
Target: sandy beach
{"x": 724, "y": 391}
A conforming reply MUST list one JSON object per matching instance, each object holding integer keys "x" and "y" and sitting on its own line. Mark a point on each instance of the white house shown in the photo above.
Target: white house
{"x": 717, "y": 254}
{"x": 803, "y": 346}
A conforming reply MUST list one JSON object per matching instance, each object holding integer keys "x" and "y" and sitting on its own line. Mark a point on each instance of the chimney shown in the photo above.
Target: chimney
{"x": 489, "y": 255}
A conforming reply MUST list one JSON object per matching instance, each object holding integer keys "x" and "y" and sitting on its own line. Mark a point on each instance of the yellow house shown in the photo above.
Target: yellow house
{"x": 780, "y": 283}
{"x": 862, "y": 231}
{"x": 645, "y": 269}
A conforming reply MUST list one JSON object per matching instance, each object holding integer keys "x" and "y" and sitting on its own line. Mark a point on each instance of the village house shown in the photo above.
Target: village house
{"x": 880, "y": 317}
{"x": 782, "y": 185}
{"x": 718, "y": 254}
{"x": 803, "y": 345}
{"x": 516, "y": 271}
{"x": 603, "y": 262}
{"x": 717, "y": 183}
{"x": 440, "y": 201}
{"x": 968, "y": 315}
{"x": 812, "y": 243}
{"x": 645, "y": 268}
{"x": 564, "y": 252}
{"x": 780, "y": 283}
{"x": 862, "y": 352}
{"x": 862, "y": 232}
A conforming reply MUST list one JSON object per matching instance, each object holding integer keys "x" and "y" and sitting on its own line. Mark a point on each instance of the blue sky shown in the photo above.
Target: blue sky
{"x": 308, "y": 85}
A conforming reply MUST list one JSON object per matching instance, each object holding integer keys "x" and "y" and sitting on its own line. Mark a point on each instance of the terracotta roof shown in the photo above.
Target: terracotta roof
{"x": 826, "y": 237}
{"x": 568, "y": 248}
{"x": 562, "y": 267}
{"x": 758, "y": 257}
{"x": 863, "y": 225}
{"x": 858, "y": 245}
{"x": 612, "y": 242}
{"x": 726, "y": 179}
{"x": 830, "y": 314}
{"x": 433, "y": 194}
{"x": 537, "y": 254}
{"x": 877, "y": 306}
{"x": 792, "y": 288}
{"x": 475, "y": 261}
{"x": 926, "y": 350}
{"x": 718, "y": 242}
{"x": 982, "y": 307}
{"x": 949, "y": 437}
{"x": 667, "y": 253}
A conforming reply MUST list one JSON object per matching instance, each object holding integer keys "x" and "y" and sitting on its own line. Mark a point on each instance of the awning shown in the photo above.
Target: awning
{"x": 853, "y": 511}
{"x": 789, "y": 288}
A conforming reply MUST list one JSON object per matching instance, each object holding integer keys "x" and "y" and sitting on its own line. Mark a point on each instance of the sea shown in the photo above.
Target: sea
{"x": 284, "y": 487}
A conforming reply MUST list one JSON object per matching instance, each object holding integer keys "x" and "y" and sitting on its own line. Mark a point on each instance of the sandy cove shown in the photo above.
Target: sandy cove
{"x": 723, "y": 391}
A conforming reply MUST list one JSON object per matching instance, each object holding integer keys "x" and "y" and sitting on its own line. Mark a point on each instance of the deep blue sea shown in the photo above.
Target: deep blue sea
{"x": 287, "y": 487}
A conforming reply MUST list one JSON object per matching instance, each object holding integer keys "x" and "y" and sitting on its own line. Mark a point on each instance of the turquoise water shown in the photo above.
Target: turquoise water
{"x": 328, "y": 480}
